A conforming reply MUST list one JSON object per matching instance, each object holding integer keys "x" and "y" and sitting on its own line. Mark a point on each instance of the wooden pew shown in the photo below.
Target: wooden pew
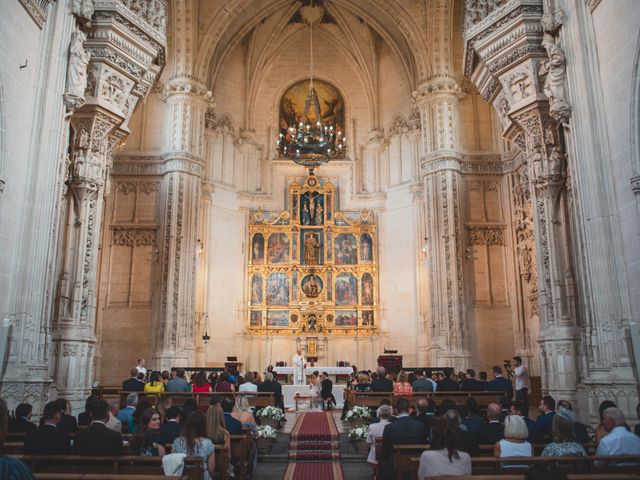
{"x": 98, "y": 476}
{"x": 130, "y": 465}
{"x": 373, "y": 399}
{"x": 241, "y": 455}
{"x": 257, "y": 399}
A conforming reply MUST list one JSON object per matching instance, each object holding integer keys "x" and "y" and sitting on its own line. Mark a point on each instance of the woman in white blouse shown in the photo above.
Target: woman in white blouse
{"x": 376, "y": 430}
{"x": 514, "y": 443}
{"x": 445, "y": 457}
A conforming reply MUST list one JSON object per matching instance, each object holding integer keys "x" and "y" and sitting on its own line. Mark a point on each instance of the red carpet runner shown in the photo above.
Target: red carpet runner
{"x": 314, "y": 450}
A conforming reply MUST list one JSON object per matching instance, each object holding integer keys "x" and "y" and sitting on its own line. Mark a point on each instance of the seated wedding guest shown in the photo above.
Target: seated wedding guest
{"x": 242, "y": 413}
{"x": 404, "y": 431}
{"x": 163, "y": 404}
{"x": 132, "y": 384}
{"x": 48, "y": 439}
{"x": 155, "y": 384}
{"x": 445, "y": 457}
{"x": 257, "y": 378}
{"x": 473, "y": 419}
{"x": 580, "y": 430}
{"x": 189, "y": 406}
{"x": 544, "y": 422}
{"x": 140, "y": 408}
{"x": 248, "y": 385}
{"x": 178, "y": 383}
{"x": 85, "y": 418}
{"x": 425, "y": 413}
{"x": 520, "y": 409}
{"x": 10, "y": 468}
{"x": 376, "y": 430}
{"x": 68, "y": 422}
{"x": 563, "y": 440}
{"x": 499, "y": 383}
{"x": 600, "y": 430}
{"x": 147, "y": 441}
{"x": 224, "y": 383}
{"x": 382, "y": 383}
{"x": 217, "y": 432}
{"x": 483, "y": 380}
{"x": 449, "y": 383}
{"x": 171, "y": 428}
{"x": 514, "y": 443}
{"x": 113, "y": 423}
{"x": 421, "y": 383}
{"x": 193, "y": 442}
{"x": 234, "y": 427}
{"x": 22, "y": 421}
{"x": 97, "y": 439}
{"x": 618, "y": 440}
{"x": 470, "y": 384}
{"x": 402, "y": 386}
{"x": 493, "y": 431}
{"x": 165, "y": 376}
{"x": 269, "y": 385}
{"x": 363, "y": 384}
{"x": 126, "y": 414}
{"x": 468, "y": 440}
{"x": 545, "y": 471}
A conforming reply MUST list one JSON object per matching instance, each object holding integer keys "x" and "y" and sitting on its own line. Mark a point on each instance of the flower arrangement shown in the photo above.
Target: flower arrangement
{"x": 265, "y": 431}
{"x": 270, "y": 412}
{"x": 358, "y": 433}
{"x": 358, "y": 412}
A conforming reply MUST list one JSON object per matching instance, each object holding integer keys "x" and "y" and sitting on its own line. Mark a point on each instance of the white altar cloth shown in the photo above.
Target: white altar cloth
{"x": 289, "y": 393}
{"x": 310, "y": 370}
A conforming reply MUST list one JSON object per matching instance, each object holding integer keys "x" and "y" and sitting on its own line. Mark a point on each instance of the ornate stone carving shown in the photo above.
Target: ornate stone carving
{"x": 521, "y": 86}
{"x": 134, "y": 237}
{"x": 82, "y": 9}
{"x": 486, "y": 235}
{"x": 37, "y": 9}
{"x": 635, "y": 185}
{"x": 554, "y": 70}
{"x": 477, "y": 10}
{"x": 154, "y": 12}
{"x": 76, "y": 71}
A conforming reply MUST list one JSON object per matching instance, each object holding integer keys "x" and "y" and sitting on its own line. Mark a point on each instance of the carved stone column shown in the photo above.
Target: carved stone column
{"x": 174, "y": 306}
{"x": 371, "y": 162}
{"x": 524, "y": 79}
{"x": 104, "y": 84}
{"x": 438, "y": 104}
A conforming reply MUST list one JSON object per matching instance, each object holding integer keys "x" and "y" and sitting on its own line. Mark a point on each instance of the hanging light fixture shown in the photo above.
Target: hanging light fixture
{"x": 311, "y": 142}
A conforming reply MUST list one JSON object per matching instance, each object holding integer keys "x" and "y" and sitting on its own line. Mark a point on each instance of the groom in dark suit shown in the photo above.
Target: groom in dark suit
{"x": 326, "y": 391}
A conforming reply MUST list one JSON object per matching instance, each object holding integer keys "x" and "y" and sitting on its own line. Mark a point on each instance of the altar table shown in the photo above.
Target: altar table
{"x": 289, "y": 393}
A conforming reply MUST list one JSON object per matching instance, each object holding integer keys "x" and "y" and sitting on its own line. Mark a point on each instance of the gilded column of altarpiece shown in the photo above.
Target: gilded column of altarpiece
{"x": 311, "y": 269}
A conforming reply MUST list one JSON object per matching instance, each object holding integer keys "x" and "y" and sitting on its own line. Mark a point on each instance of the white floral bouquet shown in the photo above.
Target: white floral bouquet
{"x": 358, "y": 433}
{"x": 358, "y": 412}
{"x": 270, "y": 412}
{"x": 265, "y": 431}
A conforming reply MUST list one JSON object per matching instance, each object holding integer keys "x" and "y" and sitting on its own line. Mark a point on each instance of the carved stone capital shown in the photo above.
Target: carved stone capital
{"x": 437, "y": 87}
{"x": 183, "y": 86}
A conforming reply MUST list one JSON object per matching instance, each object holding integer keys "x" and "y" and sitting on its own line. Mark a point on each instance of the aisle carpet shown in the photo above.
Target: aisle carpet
{"x": 314, "y": 450}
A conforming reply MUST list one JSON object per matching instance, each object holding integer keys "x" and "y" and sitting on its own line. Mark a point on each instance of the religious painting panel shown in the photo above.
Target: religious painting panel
{"x": 329, "y": 247}
{"x": 346, "y": 289}
{"x": 311, "y": 208}
{"x": 367, "y": 318}
{"x": 329, "y": 286}
{"x": 367, "y": 289}
{"x": 330, "y": 105}
{"x": 257, "y": 249}
{"x": 294, "y": 242}
{"x": 278, "y": 248}
{"x": 345, "y": 249}
{"x": 347, "y": 318}
{"x": 277, "y": 318}
{"x": 366, "y": 248}
{"x": 256, "y": 289}
{"x": 278, "y": 289}
{"x": 294, "y": 286}
{"x": 312, "y": 286}
{"x": 256, "y": 318}
{"x": 312, "y": 242}
{"x": 295, "y": 207}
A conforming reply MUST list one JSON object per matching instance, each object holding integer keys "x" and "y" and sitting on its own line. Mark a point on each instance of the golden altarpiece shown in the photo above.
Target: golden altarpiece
{"x": 312, "y": 270}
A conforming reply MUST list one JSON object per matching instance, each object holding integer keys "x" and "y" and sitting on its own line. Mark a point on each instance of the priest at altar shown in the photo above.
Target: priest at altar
{"x": 298, "y": 368}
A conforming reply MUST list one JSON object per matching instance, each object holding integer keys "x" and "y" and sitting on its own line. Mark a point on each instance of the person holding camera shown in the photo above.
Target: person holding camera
{"x": 523, "y": 382}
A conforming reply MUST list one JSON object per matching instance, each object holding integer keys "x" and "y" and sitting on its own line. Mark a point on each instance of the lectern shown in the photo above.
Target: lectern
{"x": 391, "y": 363}
{"x": 232, "y": 365}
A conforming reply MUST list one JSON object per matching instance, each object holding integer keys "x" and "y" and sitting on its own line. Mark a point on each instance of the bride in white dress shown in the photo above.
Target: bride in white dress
{"x": 314, "y": 390}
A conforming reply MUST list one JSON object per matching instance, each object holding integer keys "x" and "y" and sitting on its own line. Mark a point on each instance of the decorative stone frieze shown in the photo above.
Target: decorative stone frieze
{"x": 488, "y": 235}
{"x": 37, "y": 9}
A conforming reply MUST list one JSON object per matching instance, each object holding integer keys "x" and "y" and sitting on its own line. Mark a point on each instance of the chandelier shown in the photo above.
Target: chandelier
{"x": 311, "y": 142}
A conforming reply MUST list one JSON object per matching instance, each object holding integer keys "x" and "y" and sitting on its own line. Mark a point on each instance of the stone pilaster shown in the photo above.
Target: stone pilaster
{"x": 371, "y": 162}
{"x": 438, "y": 104}
{"x": 174, "y": 306}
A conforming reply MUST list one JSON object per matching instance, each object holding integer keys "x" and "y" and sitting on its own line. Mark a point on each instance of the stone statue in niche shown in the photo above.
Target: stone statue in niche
{"x": 536, "y": 160}
{"x": 556, "y": 160}
{"x": 82, "y": 9}
{"x": 555, "y": 69}
{"x": 76, "y": 71}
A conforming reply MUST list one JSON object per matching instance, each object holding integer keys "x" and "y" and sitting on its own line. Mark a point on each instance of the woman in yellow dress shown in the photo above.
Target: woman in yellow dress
{"x": 155, "y": 384}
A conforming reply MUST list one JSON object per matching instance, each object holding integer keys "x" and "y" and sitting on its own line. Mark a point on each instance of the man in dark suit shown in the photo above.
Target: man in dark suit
{"x": 171, "y": 428}
{"x": 67, "y": 423}
{"x": 425, "y": 414}
{"x": 326, "y": 391}
{"x": 421, "y": 383}
{"x": 473, "y": 419}
{"x": 271, "y": 385}
{"x": 48, "y": 439}
{"x": 404, "y": 431}
{"x": 499, "y": 383}
{"x": 471, "y": 384}
{"x": 234, "y": 426}
{"x": 449, "y": 383}
{"x": 493, "y": 431}
{"x": 579, "y": 429}
{"x": 85, "y": 418}
{"x": 132, "y": 384}
{"x": 22, "y": 422}
{"x": 544, "y": 422}
{"x": 97, "y": 439}
{"x": 520, "y": 409}
{"x": 382, "y": 383}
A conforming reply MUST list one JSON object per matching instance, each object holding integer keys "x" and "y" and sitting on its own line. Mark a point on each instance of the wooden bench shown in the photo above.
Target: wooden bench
{"x": 373, "y": 399}
{"x": 129, "y": 465}
{"x": 98, "y": 476}
{"x": 256, "y": 399}
{"x": 571, "y": 476}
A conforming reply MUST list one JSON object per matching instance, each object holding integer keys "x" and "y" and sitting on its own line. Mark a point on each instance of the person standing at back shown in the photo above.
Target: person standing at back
{"x": 523, "y": 381}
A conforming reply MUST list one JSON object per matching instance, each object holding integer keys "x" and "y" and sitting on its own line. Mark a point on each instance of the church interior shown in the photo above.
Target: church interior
{"x": 192, "y": 181}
